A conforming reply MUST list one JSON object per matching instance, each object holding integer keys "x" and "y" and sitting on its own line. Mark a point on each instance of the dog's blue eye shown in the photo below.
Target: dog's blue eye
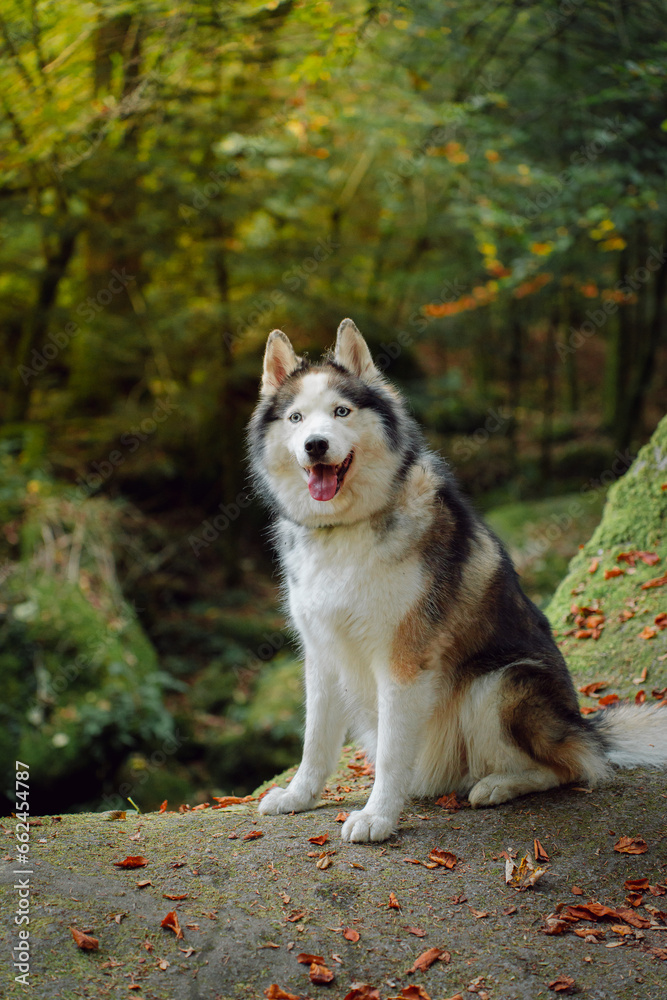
{"x": 295, "y": 418}
{"x": 342, "y": 411}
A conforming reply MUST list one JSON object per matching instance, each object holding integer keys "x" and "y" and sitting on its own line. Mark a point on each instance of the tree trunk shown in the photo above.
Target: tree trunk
{"x": 35, "y": 327}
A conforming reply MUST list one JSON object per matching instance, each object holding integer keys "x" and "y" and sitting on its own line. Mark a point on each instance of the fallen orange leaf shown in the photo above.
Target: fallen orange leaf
{"x": 163, "y": 807}
{"x": 659, "y": 581}
{"x": 590, "y": 690}
{"x": 540, "y": 853}
{"x": 167, "y": 895}
{"x": 414, "y": 993}
{"x": 609, "y": 699}
{"x": 609, "y": 574}
{"x": 393, "y": 902}
{"x": 351, "y": 935}
{"x": 444, "y": 858}
{"x": 320, "y": 840}
{"x": 648, "y": 632}
{"x": 253, "y": 835}
{"x": 594, "y": 565}
{"x": 229, "y": 800}
{"x": 449, "y": 802}
{"x": 636, "y": 884}
{"x": 631, "y": 845}
{"x": 274, "y": 992}
{"x": 84, "y": 941}
{"x": 427, "y": 958}
{"x": 563, "y": 984}
{"x": 305, "y": 958}
{"x": 319, "y": 974}
{"x": 171, "y": 923}
{"x": 640, "y": 697}
{"x": 131, "y": 862}
{"x": 363, "y": 992}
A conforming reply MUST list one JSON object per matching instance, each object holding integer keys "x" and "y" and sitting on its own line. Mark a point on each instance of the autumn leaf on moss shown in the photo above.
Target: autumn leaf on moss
{"x": 444, "y": 858}
{"x": 320, "y": 974}
{"x": 320, "y": 840}
{"x": 363, "y": 992}
{"x": 351, "y": 935}
{"x": 274, "y": 992}
{"x": 84, "y": 941}
{"x": 427, "y": 958}
{"x": 171, "y": 923}
{"x": 229, "y": 800}
{"x": 539, "y": 852}
{"x": 414, "y": 993}
{"x": 131, "y": 862}
{"x": 562, "y": 984}
{"x": 393, "y": 902}
{"x": 522, "y": 876}
{"x": 631, "y": 845}
{"x": 590, "y": 690}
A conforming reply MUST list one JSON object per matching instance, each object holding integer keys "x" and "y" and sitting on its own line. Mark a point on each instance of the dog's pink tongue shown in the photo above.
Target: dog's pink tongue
{"x": 322, "y": 482}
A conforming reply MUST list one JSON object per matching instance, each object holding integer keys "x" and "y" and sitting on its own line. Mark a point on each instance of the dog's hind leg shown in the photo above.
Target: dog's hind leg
{"x": 323, "y": 740}
{"x": 497, "y": 788}
{"x": 525, "y": 734}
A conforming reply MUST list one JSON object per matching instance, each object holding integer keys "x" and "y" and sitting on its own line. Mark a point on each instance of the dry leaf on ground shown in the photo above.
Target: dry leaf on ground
{"x": 539, "y": 852}
{"x": 274, "y": 992}
{"x": 319, "y": 973}
{"x": 393, "y": 902}
{"x": 131, "y": 862}
{"x": 427, "y": 958}
{"x": 631, "y": 845}
{"x": 351, "y": 935}
{"x": 171, "y": 923}
{"x": 84, "y": 941}
{"x": 319, "y": 840}
{"x": 444, "y": 858}
{"x": 563, "y": 984}
{"x": 414, "y": 993}
{"x": 522, "y": 876}
{"x": 363, "y": 991}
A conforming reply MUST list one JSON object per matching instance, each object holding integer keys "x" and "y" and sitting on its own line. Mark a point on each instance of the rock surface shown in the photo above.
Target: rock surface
{"x": 251, "y": 906}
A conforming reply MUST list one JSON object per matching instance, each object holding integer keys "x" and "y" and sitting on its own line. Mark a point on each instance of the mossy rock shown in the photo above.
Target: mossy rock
{"x": 630, "y": 653}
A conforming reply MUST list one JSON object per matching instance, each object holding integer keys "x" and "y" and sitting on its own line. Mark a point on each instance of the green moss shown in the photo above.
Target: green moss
{"x": 634, "y": 518}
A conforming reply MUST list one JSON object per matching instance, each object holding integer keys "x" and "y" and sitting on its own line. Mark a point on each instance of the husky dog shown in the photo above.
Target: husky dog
{"x": 417, "y": 636}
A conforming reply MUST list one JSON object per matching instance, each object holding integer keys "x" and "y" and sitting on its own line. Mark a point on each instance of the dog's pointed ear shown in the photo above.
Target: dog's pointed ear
{"x": 352, "y": 351}
{"x": 279, "y": 361}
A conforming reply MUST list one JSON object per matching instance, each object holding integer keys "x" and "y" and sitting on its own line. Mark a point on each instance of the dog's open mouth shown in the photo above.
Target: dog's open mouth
{"x": 324, "y": 481}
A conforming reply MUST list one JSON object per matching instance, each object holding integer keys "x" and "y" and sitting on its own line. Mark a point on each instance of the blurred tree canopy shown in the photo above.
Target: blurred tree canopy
{"x": 481, "y": 185}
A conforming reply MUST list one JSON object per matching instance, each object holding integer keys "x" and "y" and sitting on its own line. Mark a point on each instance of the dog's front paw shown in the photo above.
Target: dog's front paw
{"x": 365, "y": 825}
{"x": 284, "y": 800}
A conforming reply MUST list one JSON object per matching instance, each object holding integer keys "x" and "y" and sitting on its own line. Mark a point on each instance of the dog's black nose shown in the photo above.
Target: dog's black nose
{"x": 316, "y": 447}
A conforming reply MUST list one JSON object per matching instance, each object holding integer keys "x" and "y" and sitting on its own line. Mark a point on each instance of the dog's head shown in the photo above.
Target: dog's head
{"x": 328, "y": 442}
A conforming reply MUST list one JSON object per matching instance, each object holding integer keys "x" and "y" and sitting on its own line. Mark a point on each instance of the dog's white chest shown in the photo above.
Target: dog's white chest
{"x": 344, "y": 585}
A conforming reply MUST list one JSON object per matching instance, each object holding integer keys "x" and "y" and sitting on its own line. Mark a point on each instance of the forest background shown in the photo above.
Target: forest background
{"x": 481, "y": 186}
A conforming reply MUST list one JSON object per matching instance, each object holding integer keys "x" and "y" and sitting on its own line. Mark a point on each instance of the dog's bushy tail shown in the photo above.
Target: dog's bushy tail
{"x": 633, "y": 734}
